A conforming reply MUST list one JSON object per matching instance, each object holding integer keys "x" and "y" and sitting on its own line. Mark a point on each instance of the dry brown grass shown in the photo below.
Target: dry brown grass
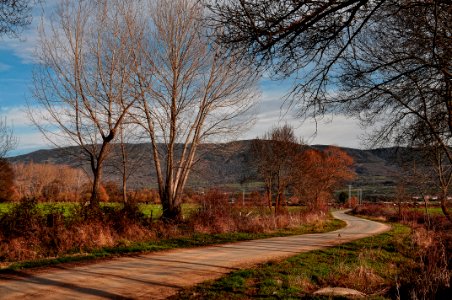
{"x": 27, "y": 233}
{"x": 216, "y": 215}
{"x": 430, "y": 247}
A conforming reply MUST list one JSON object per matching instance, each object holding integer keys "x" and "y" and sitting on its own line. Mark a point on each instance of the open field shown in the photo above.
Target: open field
{"x": 154, "y": 210}
{"x": 148, "y": 210}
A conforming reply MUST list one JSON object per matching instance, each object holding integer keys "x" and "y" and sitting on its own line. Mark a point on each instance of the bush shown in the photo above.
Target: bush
{"x": 27, "y": 232}
{"x": 6, "y": 181}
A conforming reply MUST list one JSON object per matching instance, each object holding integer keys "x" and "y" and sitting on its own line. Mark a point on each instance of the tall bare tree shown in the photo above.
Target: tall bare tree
{"x": 274, "y": 156}
{"x": 83, "y": 83}
{"x": 127, "y": 155}
{"x": 187, "y": 93}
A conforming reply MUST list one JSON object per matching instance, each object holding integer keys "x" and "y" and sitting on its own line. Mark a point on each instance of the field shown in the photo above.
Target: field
{"x": 154, "y": 210}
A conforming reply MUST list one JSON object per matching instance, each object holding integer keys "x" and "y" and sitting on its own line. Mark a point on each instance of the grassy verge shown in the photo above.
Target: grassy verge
{"x": 67, "y": 208}
{"x": 371, "y": 265}
{"x": 190, "y": 240}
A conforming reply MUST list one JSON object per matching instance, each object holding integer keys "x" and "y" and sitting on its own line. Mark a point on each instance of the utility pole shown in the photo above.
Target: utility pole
{"x": 349, "y": 195}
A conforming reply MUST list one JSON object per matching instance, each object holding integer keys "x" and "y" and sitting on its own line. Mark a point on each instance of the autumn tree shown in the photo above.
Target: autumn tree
{"x": 319, "y": 173}
{"x": 82, "y": 85}
{"x": 274, "y": 156}
{"x": 7, "y": 143}
{"x": 6, "y": 180}
{"x": 187, "y": 93}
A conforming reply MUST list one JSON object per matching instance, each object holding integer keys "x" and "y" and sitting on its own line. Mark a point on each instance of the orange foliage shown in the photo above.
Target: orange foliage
{"x": 102, "y": 193}
{"x": 6, "y": 181}
{"x": 320, "y": 172}
{"x": 48, "y": 182}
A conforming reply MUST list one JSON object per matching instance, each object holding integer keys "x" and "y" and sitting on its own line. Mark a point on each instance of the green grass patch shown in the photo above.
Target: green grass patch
{"x": 430, "y": 210}
{"x": 5, "y": 207}
{"x": 370, "y": 265}
{"x": 154, "y": 210}
{"x": 191, "y": 240}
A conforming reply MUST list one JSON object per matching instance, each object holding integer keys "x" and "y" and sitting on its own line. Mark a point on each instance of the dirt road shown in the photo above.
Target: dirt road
{"x": 158, "y": 275}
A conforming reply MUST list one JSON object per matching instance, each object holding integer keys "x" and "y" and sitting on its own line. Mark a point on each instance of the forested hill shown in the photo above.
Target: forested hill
{"x": 225, "y": 164}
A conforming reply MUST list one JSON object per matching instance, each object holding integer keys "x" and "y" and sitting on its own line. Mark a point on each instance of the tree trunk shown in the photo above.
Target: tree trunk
{"x": 124, "y": 190}
{"x": 443, "y": 202}
{"x": 94, "y": 200}
{"x": 172, "y": 211}
{"x": 268, "y": 189}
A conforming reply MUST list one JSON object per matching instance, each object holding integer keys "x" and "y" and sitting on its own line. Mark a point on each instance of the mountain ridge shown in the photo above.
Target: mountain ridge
{"x": 223, "y": 164}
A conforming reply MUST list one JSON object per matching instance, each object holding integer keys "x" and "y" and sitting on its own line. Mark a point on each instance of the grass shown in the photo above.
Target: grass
{"x": 371, "y": 265}
{"x": 191, "y": 240}
{"x": 67, "y": 207}
{"x": 431, "y": 210}
{"x": 5, "y": 207}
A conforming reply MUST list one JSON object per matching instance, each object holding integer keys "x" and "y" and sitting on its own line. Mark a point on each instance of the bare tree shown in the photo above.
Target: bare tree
{"x": 274, "y": 156}
{"x": 301, "y": 39}
{"x": 127, "y": 155}
{"x": 48, "y": 182}
{"x": 14, "y": 15}
{"x": 7, "y": 139}
{"x": 7, "y": 143}
{"x": 187, "y": 93}
{"x": 442, "y": 169}
{"x": 83, "y": 83}
{"x": 399, "y": 78}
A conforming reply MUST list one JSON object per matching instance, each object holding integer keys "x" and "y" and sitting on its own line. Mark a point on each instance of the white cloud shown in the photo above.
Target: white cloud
{"x": 273, "y": 111}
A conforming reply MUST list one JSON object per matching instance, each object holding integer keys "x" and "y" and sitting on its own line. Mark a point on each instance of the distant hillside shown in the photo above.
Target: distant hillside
{"x": 229, "y": 164}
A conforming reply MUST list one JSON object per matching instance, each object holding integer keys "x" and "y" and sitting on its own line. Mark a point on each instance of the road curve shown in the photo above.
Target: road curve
{"x": 159, "y": 275}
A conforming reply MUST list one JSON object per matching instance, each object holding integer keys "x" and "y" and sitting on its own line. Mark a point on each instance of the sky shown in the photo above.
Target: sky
{"x": 16, "y": 65}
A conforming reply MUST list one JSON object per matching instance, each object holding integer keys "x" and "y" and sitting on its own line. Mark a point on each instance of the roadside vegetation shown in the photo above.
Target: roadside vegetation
{"x": 35, "y": 234}
{"x": 411, "y": 261}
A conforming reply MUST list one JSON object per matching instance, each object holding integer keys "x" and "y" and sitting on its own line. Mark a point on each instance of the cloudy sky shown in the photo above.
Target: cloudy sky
{"x": 16, "y": 65}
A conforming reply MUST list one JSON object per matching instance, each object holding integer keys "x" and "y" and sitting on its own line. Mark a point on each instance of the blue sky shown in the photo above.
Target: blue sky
{"x": 16, "y": 65}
